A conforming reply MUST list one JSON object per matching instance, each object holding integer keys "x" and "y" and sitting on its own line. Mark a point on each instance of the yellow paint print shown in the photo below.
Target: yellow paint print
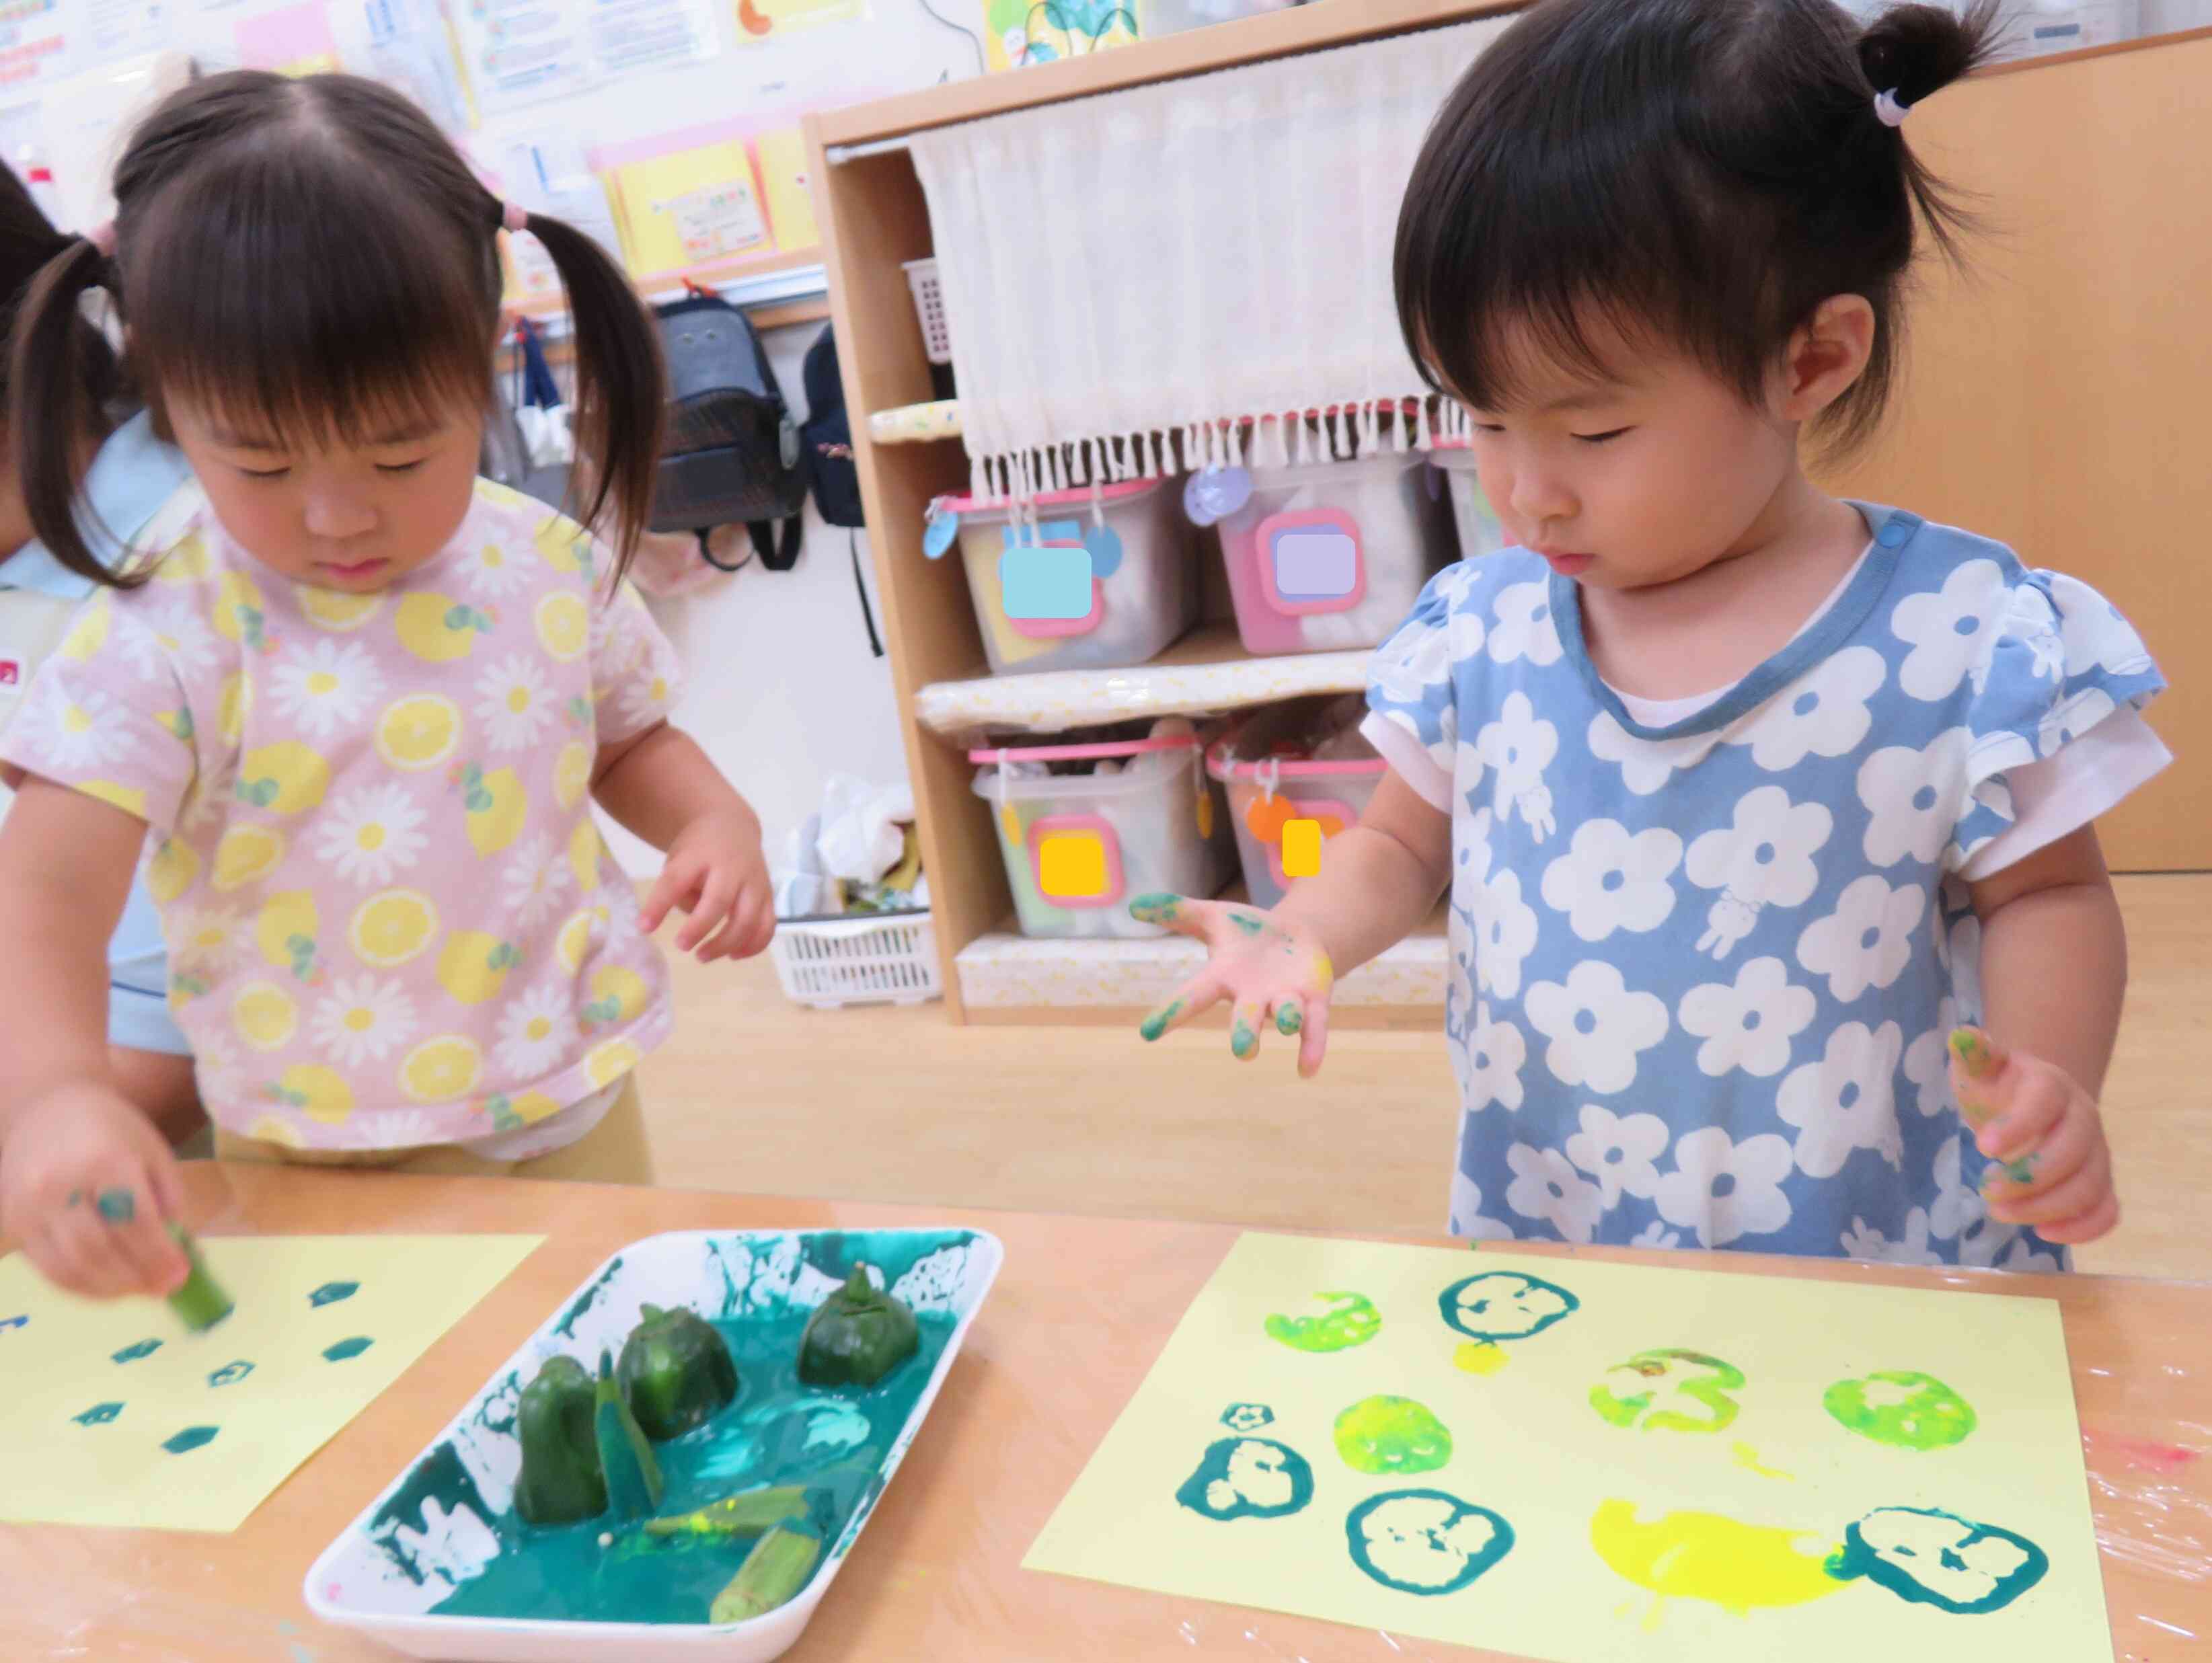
{"x": 1740, "y": 1567}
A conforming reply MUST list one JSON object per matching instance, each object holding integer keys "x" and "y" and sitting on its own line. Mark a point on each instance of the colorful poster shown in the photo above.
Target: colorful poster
{"x": 1564, "y": 1459}
{"x": 783, "y": 165}
{"x": 548, "y": 173}
{"x": 296, "y": 40}
{"x": 1024, "y": 31}
{"x": 115, "y": 1415}
{"x": 34, "y": 47}
{"x": 519, "y": 52}
{"x": 123, "y": 28}
{"x": 652, "y": 34}
{"x": 769, "y": 19}
{"x": 682, "y": 209}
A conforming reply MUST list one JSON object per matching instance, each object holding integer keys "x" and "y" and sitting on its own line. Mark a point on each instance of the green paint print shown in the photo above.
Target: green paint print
{"x": 585, "y": 1299}
{"x": 1392, "y": 1435}
{"x": 19, "y": 1320}
{"x": 1247, "y": 1416}
{"x": 1247, "y": 1479}
{"x": 192, "y": 1437}
{"x": 1425, "y": 1541}
{"x": 144, "y": 1348}
{"x": 98, "y": 1415}
{"x": 346, "y": 1348}
{"x": 1351, "y": 1320}
{"x": 331, "y": 1292}
{"x": 231, "y": 1373}
{"x": 1929, "y": 1557}
{"x": 1669, "y": 1391}
{"x": 778, "y": 1432}
{"x": 118, "y": 1207}
{"x": 1250, "y": 922}
{"x": 1505, "y": 1305}
{"x": 1898, "y": 1407}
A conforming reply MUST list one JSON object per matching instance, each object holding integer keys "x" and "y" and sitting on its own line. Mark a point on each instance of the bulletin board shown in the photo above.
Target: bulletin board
{"x": 666, "y": 128}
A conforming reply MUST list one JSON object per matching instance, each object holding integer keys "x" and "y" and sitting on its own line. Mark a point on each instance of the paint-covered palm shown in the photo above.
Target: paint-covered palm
{"x": 1264, "y": 969}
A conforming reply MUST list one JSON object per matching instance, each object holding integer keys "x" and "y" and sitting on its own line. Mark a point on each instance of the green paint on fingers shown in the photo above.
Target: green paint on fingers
{"x": 1289, "y": 1020}
{"x": 2022, "y": 1171}
{"x": 1241, "y": 1039}
{"x": 118, "y": 1207}
{"x": 1249, "y": 924}
{"x": 1156, "y": 1024}
{"x": 1161, "y": 909}
{"x": 1973, "y": 1050}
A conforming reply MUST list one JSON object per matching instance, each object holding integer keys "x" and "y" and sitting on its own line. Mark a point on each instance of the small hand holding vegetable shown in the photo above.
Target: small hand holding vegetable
{"x": 87, "y": 1185}
{"x": 2033, "y": 1118}
{"x": 1264, "y": 969}
{"x": 856, "y": 1336}
{"x": 676, "y": 1372}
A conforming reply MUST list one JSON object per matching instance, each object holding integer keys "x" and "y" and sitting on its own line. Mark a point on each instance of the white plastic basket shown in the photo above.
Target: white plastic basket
{"x": 827, "y": 962}
{"x": 929, "y": 308}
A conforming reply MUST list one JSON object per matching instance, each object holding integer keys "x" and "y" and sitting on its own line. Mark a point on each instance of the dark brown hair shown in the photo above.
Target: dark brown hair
{"x": 311, "y": 258}
{"x": 1701, "y": 173}
{"x": 27, "y": 241}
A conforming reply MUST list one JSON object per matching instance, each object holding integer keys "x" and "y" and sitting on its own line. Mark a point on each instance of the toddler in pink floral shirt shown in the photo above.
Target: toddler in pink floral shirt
{"x": 365, "y": 701}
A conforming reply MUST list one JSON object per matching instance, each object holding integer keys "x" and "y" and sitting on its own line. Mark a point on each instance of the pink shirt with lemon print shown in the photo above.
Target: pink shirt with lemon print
{"x": 390, "y": 917}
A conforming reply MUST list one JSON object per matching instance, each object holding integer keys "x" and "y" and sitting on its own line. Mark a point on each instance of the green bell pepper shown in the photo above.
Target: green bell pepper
{"x": 676, "y": 1372}
{"x": 561, "y": 1482}
{"x": 856, "y": 1336}
{"x": 625, "y": 1457}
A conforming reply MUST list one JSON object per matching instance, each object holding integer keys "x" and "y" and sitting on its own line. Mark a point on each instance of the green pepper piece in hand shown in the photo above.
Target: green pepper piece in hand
{"x": 562, "y": 1481}
{"x": 856, "y": 1337}
{"x": 625, "y": 1457}
{"x": 772, "y": 1575}
{"x": 676, "y": 1372}
{"x": 199, "y": 1300}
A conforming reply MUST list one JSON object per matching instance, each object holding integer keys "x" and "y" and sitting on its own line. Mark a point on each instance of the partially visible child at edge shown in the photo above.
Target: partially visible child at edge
{"x": 1766, "y": 817}
{"x": 364, "y": 699}
{"x": 126, "y": 474}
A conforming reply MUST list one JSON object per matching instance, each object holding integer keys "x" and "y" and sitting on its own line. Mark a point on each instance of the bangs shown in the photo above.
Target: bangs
{"x": 309, "y": 329}
{"x": 1528, "y": 248}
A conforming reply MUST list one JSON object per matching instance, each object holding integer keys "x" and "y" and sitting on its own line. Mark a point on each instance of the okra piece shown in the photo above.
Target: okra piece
{"x": 633, "y": 1477}
{"x": 746, "y": 1514}
{"x": 200, "y": 1303}
{"x": 772, "y": 1575}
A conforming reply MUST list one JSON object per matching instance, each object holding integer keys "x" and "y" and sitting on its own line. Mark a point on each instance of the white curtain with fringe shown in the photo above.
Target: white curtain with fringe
{"x": 1132, "y": 279}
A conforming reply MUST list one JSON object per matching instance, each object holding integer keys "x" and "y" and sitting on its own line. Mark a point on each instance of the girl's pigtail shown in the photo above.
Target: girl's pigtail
{"x": 1910, "y": 52}
{"x": 53, "y": 401}
{"x": 622, "y": 385}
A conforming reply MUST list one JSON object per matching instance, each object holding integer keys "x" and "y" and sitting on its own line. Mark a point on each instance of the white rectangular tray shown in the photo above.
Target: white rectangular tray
{"x": 358, "y": 1582}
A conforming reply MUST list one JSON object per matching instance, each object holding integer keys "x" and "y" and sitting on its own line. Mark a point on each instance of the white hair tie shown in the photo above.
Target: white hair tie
{"x": 1891, "y": 113}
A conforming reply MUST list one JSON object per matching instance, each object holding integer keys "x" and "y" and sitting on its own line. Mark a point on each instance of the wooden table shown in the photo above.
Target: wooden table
{"x": 1080, "y": 1312}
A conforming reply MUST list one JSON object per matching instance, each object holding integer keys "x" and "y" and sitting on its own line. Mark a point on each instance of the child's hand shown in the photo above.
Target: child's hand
{"x": 1266, "y": 968}
{"x": 718, "y": 875}
{"x": 86, "y": 1185}
{"x": 2056, "y": 1171}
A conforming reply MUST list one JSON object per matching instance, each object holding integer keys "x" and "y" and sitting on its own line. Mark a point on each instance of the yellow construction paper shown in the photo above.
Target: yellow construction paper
{"x": 1697, "y": 1524}
{"x": 67, "y": 1459}
{"x": 783, "y": 166}
{"x": 688, "y": 208}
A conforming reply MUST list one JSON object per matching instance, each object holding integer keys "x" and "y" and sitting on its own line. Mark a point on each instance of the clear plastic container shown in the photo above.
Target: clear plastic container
{"x": 1287, "y": 806}
{"x": 1330, "y": 556}
{"x": 1098, "y": 578}
{"x": 1479, "y": 533}
{"x": 1079, "y": 847}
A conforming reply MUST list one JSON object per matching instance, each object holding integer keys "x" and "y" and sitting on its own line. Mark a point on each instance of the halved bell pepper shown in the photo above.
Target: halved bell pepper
{"x": 856, "y": 1336}
{"x": 676, "y": 1372}
{"x": 561, "y": 1481}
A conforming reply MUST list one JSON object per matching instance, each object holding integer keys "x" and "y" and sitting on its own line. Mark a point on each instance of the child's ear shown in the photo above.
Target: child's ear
{"x": 1826, "y": 356}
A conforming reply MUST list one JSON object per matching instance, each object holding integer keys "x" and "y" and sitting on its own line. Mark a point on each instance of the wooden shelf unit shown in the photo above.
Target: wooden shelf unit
{"x": 2098, "y": 169}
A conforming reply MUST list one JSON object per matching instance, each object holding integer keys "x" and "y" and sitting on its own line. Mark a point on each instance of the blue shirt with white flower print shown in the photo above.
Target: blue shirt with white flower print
{"x": 1703, "y": 975}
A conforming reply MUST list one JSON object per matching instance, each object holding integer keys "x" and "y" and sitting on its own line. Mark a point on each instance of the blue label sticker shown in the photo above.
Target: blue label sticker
{"x": 937, "y": 535}
{"x": 1047, "y": 584}
{"x": 1105, "y": 543}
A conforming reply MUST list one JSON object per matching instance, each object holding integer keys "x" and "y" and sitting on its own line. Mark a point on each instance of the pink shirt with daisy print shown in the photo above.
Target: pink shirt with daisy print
{"x": 390, "y": 917}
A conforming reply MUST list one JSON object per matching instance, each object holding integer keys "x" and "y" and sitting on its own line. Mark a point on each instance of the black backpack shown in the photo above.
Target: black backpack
{"x": 828, "y": 443}
{"x": 733, "y": 453}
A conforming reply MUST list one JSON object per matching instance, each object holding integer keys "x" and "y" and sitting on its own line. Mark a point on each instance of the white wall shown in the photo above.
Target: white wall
{"x": 780, "y": 685}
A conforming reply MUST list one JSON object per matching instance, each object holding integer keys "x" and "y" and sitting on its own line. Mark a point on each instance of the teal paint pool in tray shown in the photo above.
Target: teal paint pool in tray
{"x": 438, "y": 1565}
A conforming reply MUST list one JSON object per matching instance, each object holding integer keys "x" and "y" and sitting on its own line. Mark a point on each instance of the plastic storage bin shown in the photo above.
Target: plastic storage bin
{"x": 1079, "y": 847}
{"x": 1330, "y": 556}
{"x": 1479, "y": 533}
{"x": 825, "y": 963}
{"x": 1285, "y": 806}
{"x": 1102, "y": 578}
{"x": 929, "y": 310}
